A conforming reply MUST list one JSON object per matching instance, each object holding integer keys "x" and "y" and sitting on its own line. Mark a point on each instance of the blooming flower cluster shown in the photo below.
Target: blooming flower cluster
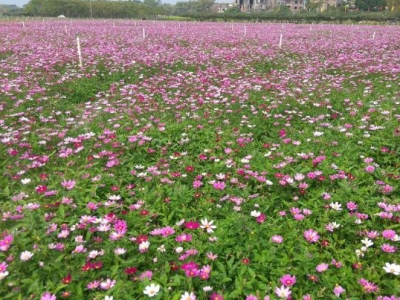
{"x": 198, "y": 161}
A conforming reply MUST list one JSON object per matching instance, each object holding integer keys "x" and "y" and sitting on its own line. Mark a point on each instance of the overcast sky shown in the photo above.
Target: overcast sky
{"x": 21, "y": 3}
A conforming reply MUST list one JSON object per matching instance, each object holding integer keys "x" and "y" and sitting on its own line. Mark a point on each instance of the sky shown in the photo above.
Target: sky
{"x": 19, "y": 3}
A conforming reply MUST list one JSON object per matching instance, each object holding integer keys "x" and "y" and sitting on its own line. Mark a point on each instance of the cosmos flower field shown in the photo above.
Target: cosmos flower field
{"x": 199, "y": 161}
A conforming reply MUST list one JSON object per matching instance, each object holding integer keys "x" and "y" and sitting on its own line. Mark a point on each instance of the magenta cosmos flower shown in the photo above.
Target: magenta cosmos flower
{"x": 311, "y": 236}
{"x": 288, "y": 280}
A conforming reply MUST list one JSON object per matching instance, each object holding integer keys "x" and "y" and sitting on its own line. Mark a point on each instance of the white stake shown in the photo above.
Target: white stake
{"x": 23, "y": 24}
{"x": 78, "y": 44}
{"x": 65, "y": 28}
{"x": 373, "y": 35}
{"x": 135, "y": 23}
{"x": 280, "y": 41}
{"x": 144, "y": 34}
{"x": 245, "y": 30}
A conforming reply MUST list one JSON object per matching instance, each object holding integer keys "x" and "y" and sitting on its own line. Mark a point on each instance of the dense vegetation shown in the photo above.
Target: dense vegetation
{"x": 195, "y": 160}
{"x": 203, "y": 10}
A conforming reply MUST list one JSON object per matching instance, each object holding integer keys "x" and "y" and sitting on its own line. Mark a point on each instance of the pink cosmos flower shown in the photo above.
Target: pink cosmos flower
{"x": 322, "y": 267}
{"x": 338, "y": 290}
{"x": 288, "y": 280}
{"x": 388, "y": 248}
{"x": 68, "y": 184}
{"x": 3, "y": 267}
{"x": 41, "y": 189}
{"x": 389, "y": 234}
{"x": 251, "y": 297}
{"x": 192, "y": 225}
{"x": 107, "y": 284}
{"x": 311, "y": 236}
{"x": 93, "y": 285}
{"x": 277, "y": 239}
{"x": 351, "y": 205}
{"x": 387, "y": 189}
{"x": 184, "y": 237}
{"x": 120, "y": 227}
{"x": 261, "y": 218}
{"x": 212, "y": 256}
{"x": 146, "y": 275}
{"x": 219, "y": 185}
{"x": 48, "y": 296}
{"x": 368, "y": 287}
{"x": 337, "y": 264}
{"x": 215, "y": 296}
{"x": 6, "y": 242}
{"x": 166, "y": 231}
{"x": 197, "y": 184}
{"x": 369, "y": 169}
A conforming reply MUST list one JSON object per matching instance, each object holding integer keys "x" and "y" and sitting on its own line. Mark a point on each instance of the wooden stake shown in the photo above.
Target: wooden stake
{"x": 78, "y": 44}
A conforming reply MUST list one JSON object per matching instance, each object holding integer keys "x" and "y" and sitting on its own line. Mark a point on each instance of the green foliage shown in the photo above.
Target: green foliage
{"x": 370, "y": 5}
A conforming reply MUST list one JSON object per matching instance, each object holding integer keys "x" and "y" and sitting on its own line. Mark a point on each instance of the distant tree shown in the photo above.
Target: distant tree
{"x": 393, "y": 5}
{"x": 370, "y": 5}
{"x": 232, "y": 9}
{"x": 9, "y": 10}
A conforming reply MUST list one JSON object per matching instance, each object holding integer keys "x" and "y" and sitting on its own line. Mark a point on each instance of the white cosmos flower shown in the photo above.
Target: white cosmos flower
{"x": 336, "y": 206}
{"x": 3, "y": 275}
{"x": 25, "y": 181}
{"x": 188, "y": 296}
{"x": 335, "y": 225}
{"x": 151, "y": 290}
{"x": 318, "y": 133}
{"x": 392, "y": 268}
{"x": 367, "y": 242}
{"x": 119, "y": 251}
{"x": 26, "y": 255}
{"x": 143, "y": 246}
{"x": 359, "y": 253}
{"x": 208, "y": 225}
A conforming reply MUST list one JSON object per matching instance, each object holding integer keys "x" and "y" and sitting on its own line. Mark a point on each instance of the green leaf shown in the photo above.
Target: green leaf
{"x": 221, "y": 267}
{"x": 235, "y": 294}
{"x": 226, "y": 279}
{"x": 6, "y": 191}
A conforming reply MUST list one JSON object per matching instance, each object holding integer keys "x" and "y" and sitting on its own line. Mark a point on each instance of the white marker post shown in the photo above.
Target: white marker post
{"x": 23, "y": 24}
{"x": 245, "y": 30}
{"x": 280, "y": 41}
{"x": 144, "y": 33}
{"x": 66, "y": 29}
{"x": 373, "y": 35}
{"x": 78, "y": 44}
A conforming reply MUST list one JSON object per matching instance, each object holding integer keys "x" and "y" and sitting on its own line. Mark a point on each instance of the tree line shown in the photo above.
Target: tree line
{"x": 374, "y": 10}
